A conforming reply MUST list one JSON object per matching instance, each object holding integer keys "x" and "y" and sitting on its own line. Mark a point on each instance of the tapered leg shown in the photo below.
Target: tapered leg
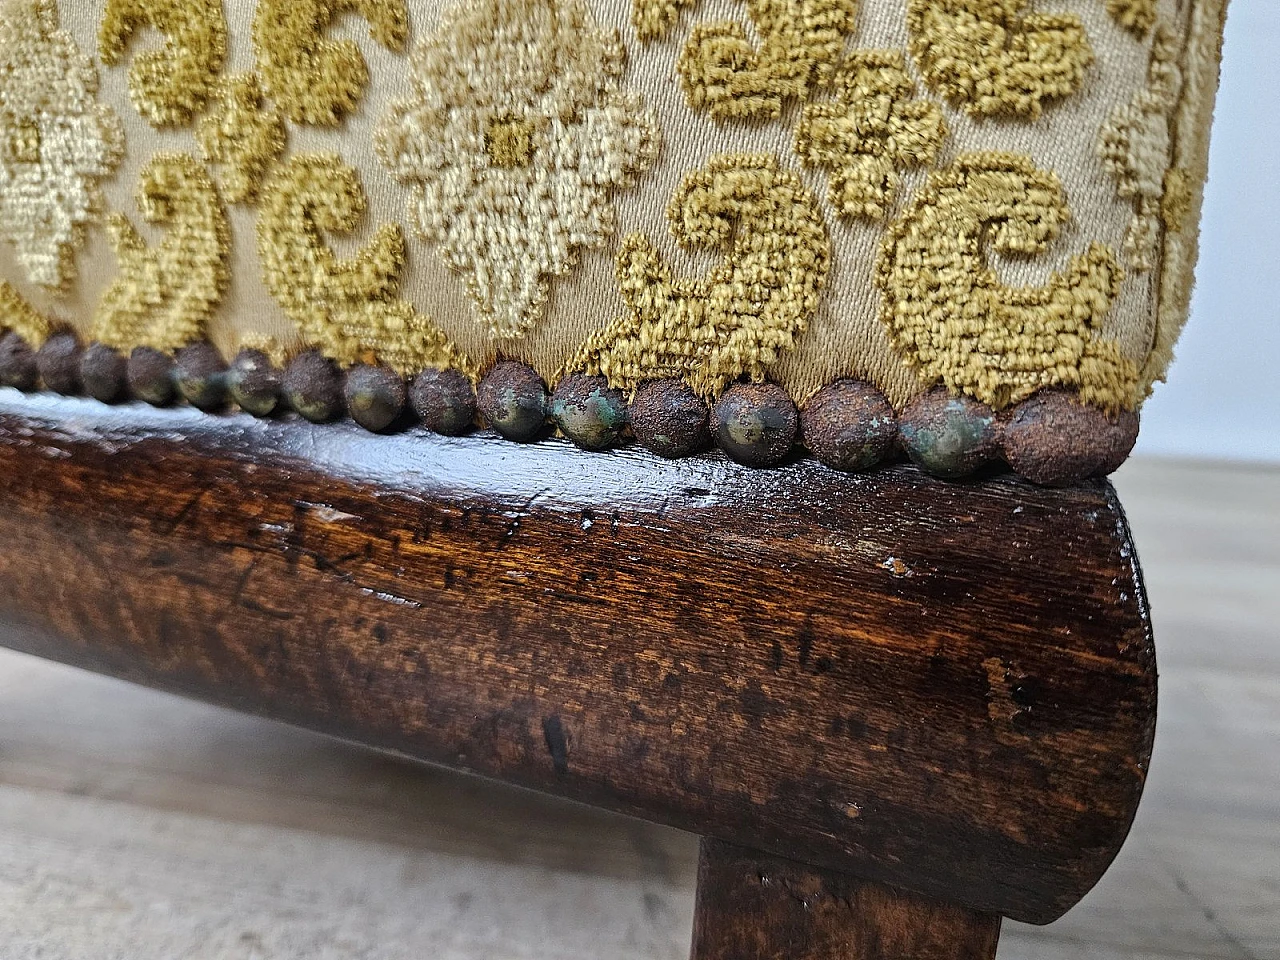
{"x": 755, "y": 907}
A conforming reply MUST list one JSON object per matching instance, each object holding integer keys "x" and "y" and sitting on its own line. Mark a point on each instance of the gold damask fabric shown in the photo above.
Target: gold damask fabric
{"x": 997, "y": 195}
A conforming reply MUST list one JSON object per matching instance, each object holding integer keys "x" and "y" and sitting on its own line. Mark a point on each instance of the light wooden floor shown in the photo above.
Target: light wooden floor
{"x": 137, "y": 826}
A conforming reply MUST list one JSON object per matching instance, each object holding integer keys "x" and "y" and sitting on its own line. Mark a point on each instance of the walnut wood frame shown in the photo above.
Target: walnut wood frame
{"x": 936, "y": 701}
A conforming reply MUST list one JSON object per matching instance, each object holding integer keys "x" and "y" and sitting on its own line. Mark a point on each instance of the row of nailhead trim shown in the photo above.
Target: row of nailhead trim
{"x": 849, "y": 425}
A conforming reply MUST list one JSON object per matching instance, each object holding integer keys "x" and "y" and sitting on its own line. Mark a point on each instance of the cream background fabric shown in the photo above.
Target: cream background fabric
{"x": 844, "y": 338}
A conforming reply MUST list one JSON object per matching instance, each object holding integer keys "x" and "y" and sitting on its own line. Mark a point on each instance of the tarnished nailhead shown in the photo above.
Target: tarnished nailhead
{"x": 444, "y": 401}
{"x": 254, "y": 382}
{"x": 1054, "y": 440}
{"x": 150, "y": 376}
{"x": 102, "y": 372}
{"x": 1051, "y": 439}
{"x": 312, "y": 385}
{"x": 849, "y": 425}
{"x": 948, "y": 436}
{"x": 755, "y": 424}
{"x": 588, "y": 411}
{"x": 1122, "y": 434}
{"x": 200, "y": 375}
{"x": 668, "y": 418}
{"x": 17, "y": 363}
{"x": 58, "y": 361}
{"x": 375, "y": 396}
{"x": 513, "y": 400}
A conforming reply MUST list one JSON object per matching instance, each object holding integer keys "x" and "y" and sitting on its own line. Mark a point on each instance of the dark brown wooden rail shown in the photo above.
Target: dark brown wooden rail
{"x": 949, "y": 688}
{"x": 761, "y": 908}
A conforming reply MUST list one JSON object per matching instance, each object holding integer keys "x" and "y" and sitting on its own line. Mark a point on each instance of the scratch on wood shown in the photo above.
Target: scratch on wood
{"x": 557, "y": 744}
{"x": 1001, "y": 706}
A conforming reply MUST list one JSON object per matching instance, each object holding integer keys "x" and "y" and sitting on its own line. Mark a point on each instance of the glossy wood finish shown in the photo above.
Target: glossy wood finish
{"x": 134, "y": 824}
{"x": 948, "y": 688}
{"x": 762, "y": 908}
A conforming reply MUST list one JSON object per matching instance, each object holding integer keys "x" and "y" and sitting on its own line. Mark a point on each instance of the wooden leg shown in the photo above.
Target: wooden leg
{"x": 755, "y": 907}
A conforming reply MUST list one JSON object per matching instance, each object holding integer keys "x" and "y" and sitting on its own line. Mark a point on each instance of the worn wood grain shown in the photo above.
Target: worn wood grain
{"x": 130, "y": 814}
{"x": 945, "y": 687}
{"x": 140, "y": 826}
{"x": 751, "y": 907}
{"x": 135, "y": 825}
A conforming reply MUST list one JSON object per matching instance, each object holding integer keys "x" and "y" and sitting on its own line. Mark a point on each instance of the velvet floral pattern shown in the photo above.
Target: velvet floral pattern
{"x": 516, "y": 133}
{"x": 56, "y": 141}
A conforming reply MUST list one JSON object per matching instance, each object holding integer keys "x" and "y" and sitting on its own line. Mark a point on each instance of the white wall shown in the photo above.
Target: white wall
{"x": 1223, "y": 394}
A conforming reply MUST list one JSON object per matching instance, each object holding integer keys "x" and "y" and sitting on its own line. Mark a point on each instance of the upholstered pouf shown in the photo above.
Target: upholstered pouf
{"x": 974, "y": 211}
{"x": 650, "y": 401}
